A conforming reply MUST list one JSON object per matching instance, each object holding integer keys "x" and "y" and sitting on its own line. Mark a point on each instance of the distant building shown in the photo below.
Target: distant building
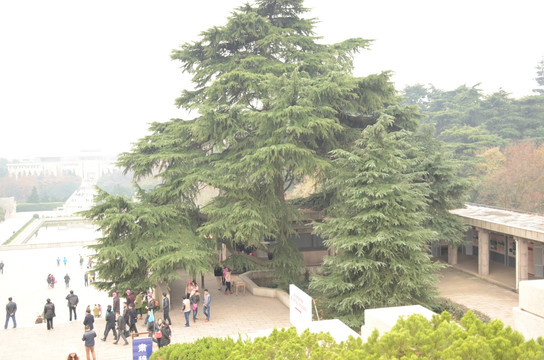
{"x": 88, "y": 165}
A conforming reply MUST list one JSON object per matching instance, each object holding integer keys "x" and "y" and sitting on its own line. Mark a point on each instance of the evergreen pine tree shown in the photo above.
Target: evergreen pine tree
{"x": 272, "y": 102}
{"x": 374, "y": 226}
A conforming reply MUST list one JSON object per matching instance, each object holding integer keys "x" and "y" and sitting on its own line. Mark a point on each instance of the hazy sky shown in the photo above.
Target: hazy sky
{"x": 91, "y": 75}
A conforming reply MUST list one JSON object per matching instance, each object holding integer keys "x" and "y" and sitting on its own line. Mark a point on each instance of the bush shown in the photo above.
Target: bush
{"x": 411, "y": 338}
{"x": 456, "y": 310}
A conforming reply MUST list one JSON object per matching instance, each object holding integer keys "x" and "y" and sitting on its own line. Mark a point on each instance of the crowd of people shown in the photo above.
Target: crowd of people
{"x": 123, "y": 314}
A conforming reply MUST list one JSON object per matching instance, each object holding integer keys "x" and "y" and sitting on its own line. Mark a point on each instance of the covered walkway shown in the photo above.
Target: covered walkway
{"x": 501, "y": 246}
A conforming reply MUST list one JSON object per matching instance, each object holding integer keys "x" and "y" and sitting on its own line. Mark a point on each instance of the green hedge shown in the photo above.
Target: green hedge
{"x": 27, "y": 207}
{"x": 412, "y": 338}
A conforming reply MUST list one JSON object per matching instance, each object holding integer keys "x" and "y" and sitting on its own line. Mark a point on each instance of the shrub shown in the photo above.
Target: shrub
{"x": 411, "y": 338}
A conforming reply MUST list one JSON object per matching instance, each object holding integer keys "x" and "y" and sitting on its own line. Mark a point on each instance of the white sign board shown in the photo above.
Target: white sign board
{"x": 300, "y": 308}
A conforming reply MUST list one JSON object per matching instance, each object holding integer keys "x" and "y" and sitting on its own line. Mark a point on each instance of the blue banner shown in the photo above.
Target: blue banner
{"x": 142, "y": 348}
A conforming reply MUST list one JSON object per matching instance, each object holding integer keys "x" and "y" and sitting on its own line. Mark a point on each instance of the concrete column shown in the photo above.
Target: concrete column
{"x": 468, "y": 242}
{"x": 537, "y": 253}
{"x": 483, "y": 251}
{"x": 522, "y": 260}
{"x": 452, "y": 255}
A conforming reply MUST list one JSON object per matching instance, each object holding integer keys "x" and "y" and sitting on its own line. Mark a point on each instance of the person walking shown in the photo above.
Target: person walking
{"x": 206, "y": 301}
{"x": 132, "y": 318}
{"x": 88, "y": 337}
{"x": 139, "y": 303}
{"x": 166, "y": 308}
{"x": 80, "y": 261}
{"x": 122, "y": 327}
{"x": 67, "y": 280}
{"x": 65, "y": 261}
{"x": 116, "y": 304}
{"x": 195, "y": 299}
{"x": 89, "y": 318}
{"x": 110, "y": 324}
{"x": 86, "y": 278}
{"x": 1, "y": 266}
{"x": 11, "y": 309}
{"x": 49, "y": 313}
{"x": 73, "y": 300}
{"x": 186, "y": 309}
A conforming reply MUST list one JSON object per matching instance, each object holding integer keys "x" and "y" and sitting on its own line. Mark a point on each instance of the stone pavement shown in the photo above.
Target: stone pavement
{"x": 475, "y": 293}
{"x": 231, "y": 315}
{"x": 24, "y": 279}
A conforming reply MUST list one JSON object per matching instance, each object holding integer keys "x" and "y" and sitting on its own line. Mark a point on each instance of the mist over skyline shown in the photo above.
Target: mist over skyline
{"x": 94, "y": 75}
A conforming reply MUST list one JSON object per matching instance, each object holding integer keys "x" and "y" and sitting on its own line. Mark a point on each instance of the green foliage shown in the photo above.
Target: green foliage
{"x": 23, "y": 207}
{"x": 48, "y": 188}
{"x": 34, "y": 197}
{"x": 412, "y": 338}
{"x": 447, "y": 190}
{"x": 240, "y": 263}
{"x": 117, "y": 183}
{"x": 272, "y": 102}
{"x": 457, "y": 311}
{"x": 374, "y": 226}
{"x": 144, "y": 243}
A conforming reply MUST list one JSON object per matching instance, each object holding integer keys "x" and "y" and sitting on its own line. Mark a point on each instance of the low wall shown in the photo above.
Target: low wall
{"x": 256, "y": 290}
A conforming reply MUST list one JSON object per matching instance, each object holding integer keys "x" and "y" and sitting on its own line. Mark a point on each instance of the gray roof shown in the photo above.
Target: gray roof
{"x": 525, "y": 225}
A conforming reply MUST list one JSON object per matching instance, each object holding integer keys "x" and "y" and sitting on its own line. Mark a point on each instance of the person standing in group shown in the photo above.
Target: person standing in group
{"x": 228, "y": 279}
{"x": 116, "y": 304}
{"x": 11, "y": 309}
{"x": 166, "y": 335}
{"x": 139, "y": 303}
{"x": 58, "y": 261}
{"x": 206, "y": 301}
{"x": 67, "y": 280}
{"x": 65, "y": 261}
{"x": 88, "y": 337}
{"x": 130, "y": 298}
{"x": 218, "y": 273}
{"x": 122, "y": 327}
{"x": 73, "y": 300}
{"x": 132, "y": 318}
{"x": 195, "y": 299}
{"x": 89, "y": 318}
{"x": 1, "y": 266}
{"x": 110, "y": 323}
{"x": 49, "y": 313}
{"x": 96, "y": 311}
{"x": 166, "y": 308}
{"x": 186, "y": 309}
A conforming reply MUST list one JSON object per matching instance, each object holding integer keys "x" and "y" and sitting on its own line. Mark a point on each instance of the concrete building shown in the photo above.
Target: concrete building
{"x": 507, "y": 237}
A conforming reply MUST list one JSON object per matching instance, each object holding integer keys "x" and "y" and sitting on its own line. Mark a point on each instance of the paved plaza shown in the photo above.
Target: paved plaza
{"x": 24, "y": 279}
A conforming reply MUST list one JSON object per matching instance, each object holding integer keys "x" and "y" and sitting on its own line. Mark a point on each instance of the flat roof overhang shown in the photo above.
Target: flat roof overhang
{"x": 523, "y": 225}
